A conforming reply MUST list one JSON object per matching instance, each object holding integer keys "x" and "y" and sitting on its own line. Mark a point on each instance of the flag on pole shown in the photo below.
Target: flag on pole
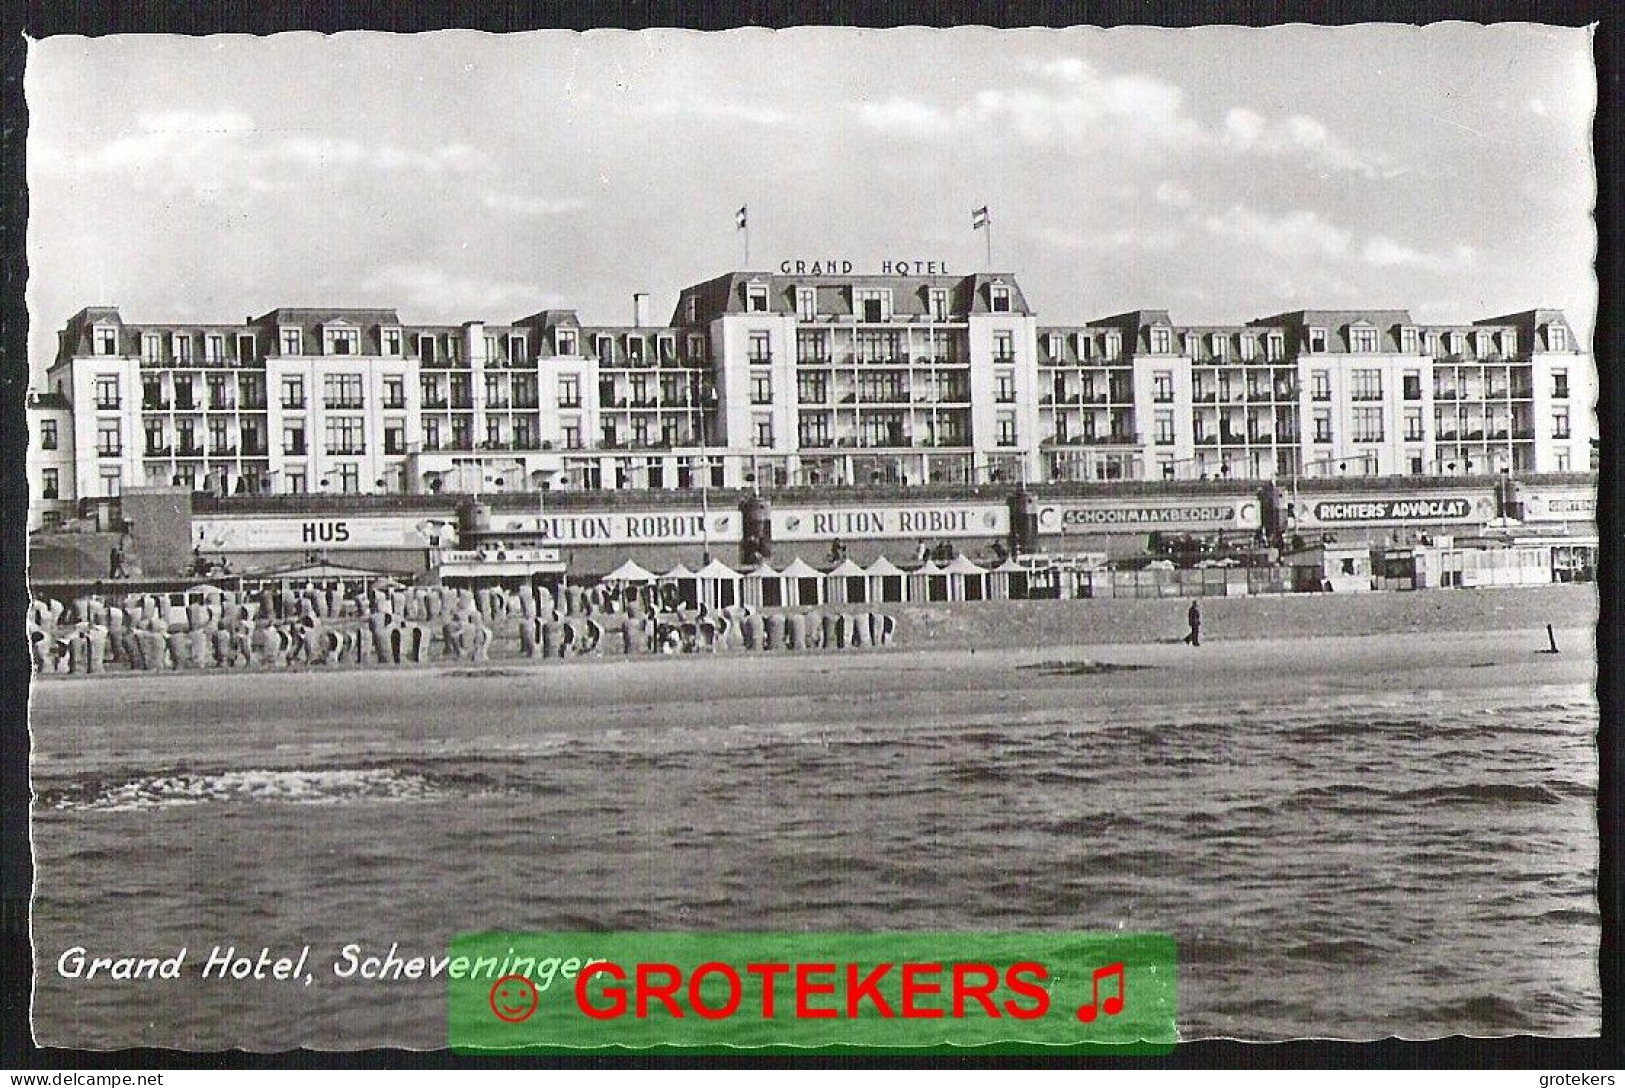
{"x": 740, "y": 217}
{"x": 979, "y": 218}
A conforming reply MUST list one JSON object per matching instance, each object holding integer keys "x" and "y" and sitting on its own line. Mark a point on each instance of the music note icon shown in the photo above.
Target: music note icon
{"x": 1113, "y": 1003}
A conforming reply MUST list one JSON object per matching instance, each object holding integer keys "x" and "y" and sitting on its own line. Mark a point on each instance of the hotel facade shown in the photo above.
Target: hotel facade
{"x": 787, "y": 379}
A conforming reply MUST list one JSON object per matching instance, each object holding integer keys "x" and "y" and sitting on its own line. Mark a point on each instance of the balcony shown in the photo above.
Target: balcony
{"x": 344, "y": 404}
{"x": 222, "y": 451}
{"x": 109, "y": 404}
{"x": 761, "y": 360}
{"x": 109, "y": 451}
{"x": 295, "y": 450}
{"x": 150, "y": 404}
{"x": 356, "y": 450}
{"x": 435, "y": 402}
{"x": 157, "y": 451}
{"x": 292, "y": 405}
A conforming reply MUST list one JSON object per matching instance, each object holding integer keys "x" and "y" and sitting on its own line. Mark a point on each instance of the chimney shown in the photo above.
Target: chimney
{"x": 640, "y": 310}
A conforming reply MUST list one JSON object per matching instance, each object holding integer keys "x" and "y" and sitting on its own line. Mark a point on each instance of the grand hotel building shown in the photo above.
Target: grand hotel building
{"x": 782, "y": 379}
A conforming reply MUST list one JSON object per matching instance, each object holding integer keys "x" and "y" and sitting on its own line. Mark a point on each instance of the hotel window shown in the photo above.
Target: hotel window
{"x": 1562, "y": 461}
{"x": 1366, "y": 385}
{"x": 1005, "y": 424}
{"x": 1221, "y": 346}
{"x": 806, "y": 304}
{"x": 762, "y": 431}
{"x": 1368, "y": 424}
{"x": 634, "y": 350}
{"x": 350, "y": 479}
{"x": 696, "y": 349}
{"x": 1004, "y": 346}
{"x": 50, "y": 483}
{"x": 761, "y": 348}
{"x": 1113, "y": 345}
{"x": 1509, "y": 343}
{"x": 1052, "y": 347}
{"x": 1249, "y": 348}
{"x": 391, "y": 339}
{"x": 1413, "y": 384}
{"x": 493, "y": 352}
{"x": 293, "y": 440}
{"x": 1320, "y": 385}
{"x": 1086, "y": 346}
{"x": 1162, "y": 341}
{"x": 939, "y": 304}
{"x": 1004, "y": 387}
{"x": 214, "y": 348}
{"x": 1317, "y": 340}
{"x": 107, "y": 439}
{"x": 183, "y": 393}
{"x": 1557, "y": 339}
{"x": 431, "y": 434}
{"x": 1560, "y": 423}
{"x": 1560, "y": 385}
{"x": 756, "y": 298}
{"x": 182, "y": 344}
{"x": 1193, "y": 345}
{"x": 1363, "y": 340}
{"x": 346, "y": 436}
{"x": 395, "y": 438}
{"x": 1323, "y": 425}
{"x": 152, "y": 347}
{"x": 569, "y": 391}
{"x": 245, "y": 348}
{"x": 606, "y": 351}
{"x": 1413, "y": 424}
{"x": 1483, "y": 344}
{"x": 293, "y": 392}
{"x": 219, "y": 436}
{"x": 1165, "y": 466}
{"x": 1407, "y": 340}
{"x": 1165, "y": 428}
{"x": 496, "y": 392}
{"x": 107, "y": 398}
{"x": 570, "y": 433}
{"x": 394, "y": 391}
{"x": 1275, "y": 347}
{"x": 812, "y": 430}
{"x": 812, "y": 388}
{"x": 564, "y": 342}
{"x": 1000, "y": 296}
{"x": 110, "y": 482}
{"x": 1162, "y": 386}
{"x": 341, "y": 390}
{"x": 493, "y": 433}
{"x": 810, "y": 347}
{"x": 1453, "y": 344}
{"x": 47, "y": 434}
{"x": 516, "y": 349}
{"x": 292, "y": 342}
{"x": 296, "y": 481}
{"x": 106, "y": 341}
{"x": 761, "y": 389}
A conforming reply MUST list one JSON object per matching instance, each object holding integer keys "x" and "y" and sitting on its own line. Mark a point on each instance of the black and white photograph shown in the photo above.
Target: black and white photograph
{"x": 1127, "y": 481}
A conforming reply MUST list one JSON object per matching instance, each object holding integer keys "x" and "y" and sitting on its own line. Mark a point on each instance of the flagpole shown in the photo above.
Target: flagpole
{"x": 988, "y": 228}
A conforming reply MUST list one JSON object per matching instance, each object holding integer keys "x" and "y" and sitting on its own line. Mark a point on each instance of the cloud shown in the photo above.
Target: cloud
{"x": 1247, "y": 132}
{"x": 1121, "y": 238}
{"x": 530, "y": 205}
{"x": 1295, "y": 234}
{"x": 1174, "y": 195}
{"x": 1384, "y": 252}
{"x": 431, "y": 289}
{"x": 717, "y": 109}
{"x": 901, "y": 116}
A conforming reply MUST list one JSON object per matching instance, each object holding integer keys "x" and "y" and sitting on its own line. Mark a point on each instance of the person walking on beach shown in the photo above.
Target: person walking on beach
{"x": 1194, "y": 618}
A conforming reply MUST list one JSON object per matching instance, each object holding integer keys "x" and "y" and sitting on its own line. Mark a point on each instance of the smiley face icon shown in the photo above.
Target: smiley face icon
{"x": 514, "y": 998}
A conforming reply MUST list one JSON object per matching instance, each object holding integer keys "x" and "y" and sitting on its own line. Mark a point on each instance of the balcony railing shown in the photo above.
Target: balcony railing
{"x": 109, "y": 451}
{"x": 355, "y": 450}
{"x": 109, "y": 404}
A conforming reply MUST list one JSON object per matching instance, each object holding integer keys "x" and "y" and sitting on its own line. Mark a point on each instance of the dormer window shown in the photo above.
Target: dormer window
{"x": 1509, "y": 343}
{"x": 1221, "y": 345}
{"x": 756, "y": 298}
{"x": 1407, "y": 339}
{"x": 152, "y": 347}
{"x": 214, "y": 348}
{"x": 1193, "y": 345}
{"x": 564, "y": 341}
{"x": 1086, "y": 346}
{"x": 999, "y": 295}
{"x": 1363, "y": 339}
{"x": 693, "y": 309}
{"x": 1162, "y": 341}
{"x": 1114, "y": 345}
{"x": 516, "y": 348}
{"x": 105, "y": 340}
{"x": 391, "y": 340}
{"x": 1557, "y": 338}
{"x": 937, "y": 298}
{"x": 1275, "y": 347}
{"x": 182, "y": 347}
{"x": 806, "y": 304}
{"x": 1317, "y": 340}
{"x": 606, "y": 351}
{"x": 1453, "y": 343}
{"x": 342, "y": 341}
{"x": 292, "y": 342}
{"x": 1249, "y": 347}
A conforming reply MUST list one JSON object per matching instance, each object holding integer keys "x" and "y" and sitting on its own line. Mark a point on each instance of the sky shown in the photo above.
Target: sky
{"x": 1220, "y": 173}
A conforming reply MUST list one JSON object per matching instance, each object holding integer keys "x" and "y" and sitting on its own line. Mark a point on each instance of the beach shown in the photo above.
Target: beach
{"x": 1387, "y": 830}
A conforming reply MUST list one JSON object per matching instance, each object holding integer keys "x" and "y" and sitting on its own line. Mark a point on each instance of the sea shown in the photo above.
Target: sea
{"x": 1351, "y": 866}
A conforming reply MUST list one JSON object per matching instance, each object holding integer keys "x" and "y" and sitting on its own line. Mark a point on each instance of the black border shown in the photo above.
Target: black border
{"x": 39, "y": 19}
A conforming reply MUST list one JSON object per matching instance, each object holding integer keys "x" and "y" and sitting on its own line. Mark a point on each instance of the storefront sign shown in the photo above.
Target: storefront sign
{"x": 1406, "y": 510}
{"x": 1568, "y": 504}
{"x": 1118, "y": 516}
{"x": 273, "y": 534}
{"x": 631, "y": 527}
{"x": 891, "y": 522}
{"x": 832, "y": 266}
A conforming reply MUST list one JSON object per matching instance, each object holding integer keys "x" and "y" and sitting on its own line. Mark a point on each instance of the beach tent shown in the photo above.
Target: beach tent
{"x": 718, "y": 584}
{"x": 887, "y": 583}
{"x": 629, "y": 571}
{"x": 846, "y": 583}
{"x": 760, "y": 587}
{"x": 803, "y": 584}
{"x": 1007, "y": 580}
{"x": 927, "y": 583}
{"x": 687, "y": 583}
{"x": 966, "y": 580}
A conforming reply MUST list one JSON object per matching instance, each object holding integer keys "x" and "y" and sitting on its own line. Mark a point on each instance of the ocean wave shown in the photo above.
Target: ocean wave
{"x": 295, "y": 787}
